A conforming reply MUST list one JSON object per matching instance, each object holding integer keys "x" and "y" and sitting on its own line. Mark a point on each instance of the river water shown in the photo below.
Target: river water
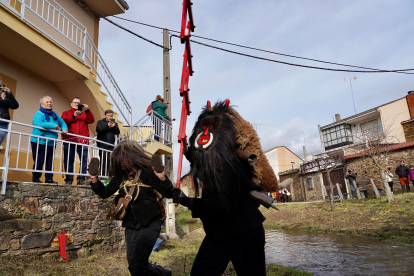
{"x": 330, "y": 254}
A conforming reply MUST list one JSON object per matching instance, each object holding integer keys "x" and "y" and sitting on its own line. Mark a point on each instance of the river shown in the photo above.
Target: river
{"x": 330, "y": 254}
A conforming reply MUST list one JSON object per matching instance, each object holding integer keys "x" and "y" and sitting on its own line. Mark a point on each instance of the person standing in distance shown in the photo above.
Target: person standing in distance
{"x": 77, "y": 122}
{"x": 402, "y": 172}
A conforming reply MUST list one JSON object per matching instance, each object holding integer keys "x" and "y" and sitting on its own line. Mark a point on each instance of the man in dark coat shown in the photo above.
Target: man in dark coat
{"x": 402, "y": 172}
{"x": 352, "y": 178}
{"x": 7, "y": 101}
{"x": 106, "y": 128}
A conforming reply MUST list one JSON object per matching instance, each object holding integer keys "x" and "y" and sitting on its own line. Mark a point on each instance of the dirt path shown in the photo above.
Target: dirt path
{"x": 371, "y": 218}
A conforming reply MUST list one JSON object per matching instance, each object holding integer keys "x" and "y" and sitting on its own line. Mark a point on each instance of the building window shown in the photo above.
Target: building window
{"x": 337, "y": 136}
{"x": 309, "y": 183}
{"x": 292, "y": 164}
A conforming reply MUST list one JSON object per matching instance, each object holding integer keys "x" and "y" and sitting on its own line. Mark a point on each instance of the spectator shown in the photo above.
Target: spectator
{"x": 352, "y": 180}
{"x": 410, "y": 177}
{"x": 7, "y": 101}
{"x": 46, "y": 118}
{"x": 388, "y": 177}
{"x": 402, "y": 172}
{"x": 159, "y": 107}
{"x": 77, "y": 121}
{"x": 285, "y": 195}
{"x": 106, "y": 128}
{"x": 278, "y": 196}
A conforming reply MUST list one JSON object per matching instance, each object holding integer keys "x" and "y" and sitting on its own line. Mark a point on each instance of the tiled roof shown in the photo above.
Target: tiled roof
{"x": 391, "y": 148}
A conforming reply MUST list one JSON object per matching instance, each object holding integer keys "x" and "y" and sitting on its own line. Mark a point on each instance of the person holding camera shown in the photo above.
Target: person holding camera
{"x": 7, "y": 101}
{"x": 77, "y": 120}
{"x": 352, "y": 179}
{"x": 106, "y": 129}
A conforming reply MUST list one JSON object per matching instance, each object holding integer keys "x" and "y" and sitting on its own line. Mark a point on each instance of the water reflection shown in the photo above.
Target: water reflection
{"x": 328, "y": 254}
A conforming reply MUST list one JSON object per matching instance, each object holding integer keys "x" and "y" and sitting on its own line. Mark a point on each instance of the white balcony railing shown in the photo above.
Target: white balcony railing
{"x": 55, "y": 22}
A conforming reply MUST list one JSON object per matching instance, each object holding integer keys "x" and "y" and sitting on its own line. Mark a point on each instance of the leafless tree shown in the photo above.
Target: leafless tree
{"x": 376, "y": 144}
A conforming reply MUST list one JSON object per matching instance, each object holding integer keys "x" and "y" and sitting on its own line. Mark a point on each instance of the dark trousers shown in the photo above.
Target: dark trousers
{"x": 405, "y": 188}
{"x": 391, "y": 184}
{"x": 69, "y": 159}
{"x": 105, "y": 162}
{"x": 139, "y": 244}
{"x": 38, "y": 153}
{"x": 246, "y": 252}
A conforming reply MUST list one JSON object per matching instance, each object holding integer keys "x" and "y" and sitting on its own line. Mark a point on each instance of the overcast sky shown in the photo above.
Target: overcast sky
{"x": 285, "y": 102}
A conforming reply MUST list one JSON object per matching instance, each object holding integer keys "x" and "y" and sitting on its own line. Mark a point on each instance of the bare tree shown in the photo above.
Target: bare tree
{"x": 375, "y": 144}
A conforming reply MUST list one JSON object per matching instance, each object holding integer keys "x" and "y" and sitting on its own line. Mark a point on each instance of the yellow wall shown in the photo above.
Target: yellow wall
{"x": 391, "y": 116}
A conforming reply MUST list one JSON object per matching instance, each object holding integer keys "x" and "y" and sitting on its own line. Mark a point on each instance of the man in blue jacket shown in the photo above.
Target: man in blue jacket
{"x": 45, "y": 118}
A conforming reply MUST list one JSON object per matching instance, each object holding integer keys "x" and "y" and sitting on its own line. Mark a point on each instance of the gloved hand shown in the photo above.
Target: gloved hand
{"x": 179, "y": 197}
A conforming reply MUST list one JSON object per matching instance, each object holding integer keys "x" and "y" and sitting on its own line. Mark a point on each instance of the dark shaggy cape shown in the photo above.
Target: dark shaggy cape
{"x": 232, "y": 132}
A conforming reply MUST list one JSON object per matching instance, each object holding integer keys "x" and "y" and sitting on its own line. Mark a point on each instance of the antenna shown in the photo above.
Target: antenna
{"x": 352, "y": 92}
{"x": 255, "y": 126}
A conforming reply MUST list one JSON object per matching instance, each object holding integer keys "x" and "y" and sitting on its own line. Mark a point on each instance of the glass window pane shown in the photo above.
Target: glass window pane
{"x": 333, "y": 135}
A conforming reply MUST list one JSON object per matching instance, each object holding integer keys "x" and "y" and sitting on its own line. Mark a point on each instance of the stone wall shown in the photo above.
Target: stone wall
{"x": 316, "y": 193}
{"x": 43, "y": 210}
{"x": 365, "y": 170}
{"x": 297, "y": 186}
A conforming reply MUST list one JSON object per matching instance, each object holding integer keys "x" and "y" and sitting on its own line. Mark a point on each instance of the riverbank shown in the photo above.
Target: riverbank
{"x": 178, "y": 255}
{"x": 369, "y": 218}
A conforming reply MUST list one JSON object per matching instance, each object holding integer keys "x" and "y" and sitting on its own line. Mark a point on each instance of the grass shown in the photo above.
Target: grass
{"x": 183, "y": 216}
{"x": 178, "y": 255}
{"x": 366, "y": 217}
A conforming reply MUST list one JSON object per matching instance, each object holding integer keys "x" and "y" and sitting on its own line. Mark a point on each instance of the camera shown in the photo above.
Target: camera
{"x": 80, "y": 107}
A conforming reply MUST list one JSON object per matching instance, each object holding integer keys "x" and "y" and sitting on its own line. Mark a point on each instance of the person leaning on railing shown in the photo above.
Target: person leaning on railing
{"x": 7, "y": 101}
{"x": 77, "y": 121}
{"x": 159, "y": 107}
{"x": 46, "y": 118}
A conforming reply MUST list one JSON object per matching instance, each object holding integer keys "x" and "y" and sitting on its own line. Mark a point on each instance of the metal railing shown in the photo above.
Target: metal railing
{"x": 151, "y": 127}
{"x": 22, "y": 142}
{"x": 55, "y": 22}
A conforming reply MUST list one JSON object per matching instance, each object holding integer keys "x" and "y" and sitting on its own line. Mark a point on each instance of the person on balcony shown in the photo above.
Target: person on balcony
{"x": 7, "y": 101}
{"x": 402, "y": 172}
{"x": 106, "y": 129}
{"x": 45, "y": 118}
{"x": 77, "y": 121}
{"x": 159, "y": 107}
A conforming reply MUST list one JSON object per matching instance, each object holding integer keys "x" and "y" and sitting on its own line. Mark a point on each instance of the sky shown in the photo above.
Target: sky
{"x": 285, "y": 103}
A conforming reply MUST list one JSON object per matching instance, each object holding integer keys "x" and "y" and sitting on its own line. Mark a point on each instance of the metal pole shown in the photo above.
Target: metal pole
{"x": 170, "y": 221}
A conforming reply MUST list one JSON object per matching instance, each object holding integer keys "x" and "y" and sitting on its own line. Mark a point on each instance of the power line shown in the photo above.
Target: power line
{"x": 271, "y": 52}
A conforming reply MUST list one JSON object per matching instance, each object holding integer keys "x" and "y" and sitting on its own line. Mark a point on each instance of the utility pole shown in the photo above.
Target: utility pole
{"x": 170, "y": 221}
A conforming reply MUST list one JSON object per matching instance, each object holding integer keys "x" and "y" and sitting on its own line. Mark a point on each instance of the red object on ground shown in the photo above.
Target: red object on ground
{"x": 186, "y": 73}
{"x": 62, "y": 245}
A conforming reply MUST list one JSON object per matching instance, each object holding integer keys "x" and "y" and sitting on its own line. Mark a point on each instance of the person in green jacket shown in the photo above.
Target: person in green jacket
{"x": 159, "y": 107}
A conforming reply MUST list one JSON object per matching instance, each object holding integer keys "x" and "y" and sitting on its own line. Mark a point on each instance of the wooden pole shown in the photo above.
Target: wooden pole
{"x": 375, "y": 188}
{"x": 356, "y": 189}
{"x": 341, "y": 197}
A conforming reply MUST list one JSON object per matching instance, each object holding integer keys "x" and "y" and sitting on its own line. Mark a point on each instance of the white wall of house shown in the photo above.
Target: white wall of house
{"x": 273, "y": 161}
{"x": 392, "y": 115}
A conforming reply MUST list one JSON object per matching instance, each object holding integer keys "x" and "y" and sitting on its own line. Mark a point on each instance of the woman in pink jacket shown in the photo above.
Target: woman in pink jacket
{"x": 410, "y": 177}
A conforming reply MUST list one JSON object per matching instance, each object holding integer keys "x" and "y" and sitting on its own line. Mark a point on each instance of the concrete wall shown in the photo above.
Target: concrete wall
{"x": 280, "y": 160}
{"x": 392, "y": 115}
{"x": 45, "y": 210}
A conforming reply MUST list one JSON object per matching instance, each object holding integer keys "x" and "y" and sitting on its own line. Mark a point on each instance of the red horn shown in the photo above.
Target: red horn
{"x": 227, "y": 102}
{"x": 208, "y": 104}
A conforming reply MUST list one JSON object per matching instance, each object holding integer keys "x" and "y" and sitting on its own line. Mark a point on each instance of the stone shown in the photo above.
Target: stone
{"x": 61, "y": 209}
{"x": 90, "y": 237}
{"x": 58, "y": 219}
{"x": 83, "y": 206}
{"x": 14, "y": 245}
{"x": 46, "y": 211}
{"x": 80, "y": 238}
{"x": 37, "y": 240}
{"x": 83, "y": 227}
{"x": 21, "y": 224}
{"x": 30, "y": 204}
{"x": 95, "y": 224}
{"x": 68, "y": 240}
{"x": 5, "y": 242}
{"x": 95, "y": 200}
{"x": 104, "y": 232}
{"x": 91, "y": 206}
{"x": 102, "y": 216}
{"x": 67, "y": 217}
{"x": 6, "y": 215}
{"x": 71, "y": 207}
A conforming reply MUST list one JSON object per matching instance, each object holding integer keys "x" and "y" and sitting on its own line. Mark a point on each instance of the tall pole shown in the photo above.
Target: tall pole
{"x": 170, "y": 221}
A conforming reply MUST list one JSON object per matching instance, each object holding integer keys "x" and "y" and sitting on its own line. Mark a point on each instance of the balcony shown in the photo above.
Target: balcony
{"x": 78, "y": 54}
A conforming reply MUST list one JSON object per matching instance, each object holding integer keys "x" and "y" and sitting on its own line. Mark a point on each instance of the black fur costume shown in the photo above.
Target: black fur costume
{"x": 231, "y": 219}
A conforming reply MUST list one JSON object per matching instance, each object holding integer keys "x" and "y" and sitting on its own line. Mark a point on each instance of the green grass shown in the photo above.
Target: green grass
{"x": 183, "y": 216}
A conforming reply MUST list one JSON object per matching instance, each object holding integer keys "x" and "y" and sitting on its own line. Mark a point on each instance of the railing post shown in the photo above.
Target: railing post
{"x": 84, "y": 44}
{"x": 23, "y": 7}
{"x": 6, "y": 161}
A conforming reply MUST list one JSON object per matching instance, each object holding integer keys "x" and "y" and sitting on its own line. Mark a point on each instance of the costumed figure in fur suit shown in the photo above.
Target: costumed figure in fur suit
{"x": 231, "y": 218}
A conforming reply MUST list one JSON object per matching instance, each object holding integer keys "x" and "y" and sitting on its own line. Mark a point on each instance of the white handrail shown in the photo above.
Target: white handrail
{"x": 21, "y": 146}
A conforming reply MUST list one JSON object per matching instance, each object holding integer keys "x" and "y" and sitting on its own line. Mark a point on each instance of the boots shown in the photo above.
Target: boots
{"x": 157, "y": 270}
{"x": 403, "y": 188}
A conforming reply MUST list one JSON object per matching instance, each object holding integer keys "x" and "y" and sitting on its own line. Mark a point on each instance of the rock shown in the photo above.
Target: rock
{"x": 46, "y": 211}
{"x": 61, "y": 209}
{"x": 58, "y": 219}
{"x": 6, "y": 215}
{"x": 14, "y": 245}
{"x": 95, "y": 200}
{"x": 37, "y": 240}
{"x": 5, "y": 242}
{"x": 83, "y": 205}
{"x": 90, "y": 237}
{"x": 104, "y": 232}
{"x": 68, "y": 240}
{"x": 67, "y": 217}
{"x": 95, "y": 224}
{"x": 71, "y": 207}
{"x": 30, "y": 204}
{"x": 21, "y": 224}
